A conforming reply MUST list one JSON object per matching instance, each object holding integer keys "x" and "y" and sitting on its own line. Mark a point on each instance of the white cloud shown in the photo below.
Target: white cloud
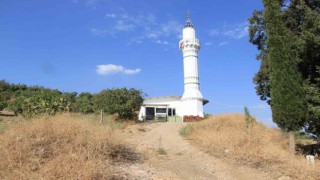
{"x": 235, "y": 31}
{"x": 131, "y": 71}
{"x": 223, "y": 43}
{"x": 214, "y": 32}
{"x": 123, "y": 26}
{"x": 136, "y": 40}
{"x": 111, "y": 15}
{"x": 161, "y": 42}
{"x": 107, "y": 69}
{"x": 93, "y": 3}
{"x": 153, "y": 34}
{"x": 102, "y": 32}
{"x": 143, "y": 26}
{"x": 171, "y": 27}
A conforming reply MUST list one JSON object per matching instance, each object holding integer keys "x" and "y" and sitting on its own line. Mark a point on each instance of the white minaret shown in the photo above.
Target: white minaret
{"x": 192, "y": 98}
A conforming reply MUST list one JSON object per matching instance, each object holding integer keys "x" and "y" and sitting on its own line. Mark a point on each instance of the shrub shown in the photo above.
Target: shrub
{"x": 123, "y": 102}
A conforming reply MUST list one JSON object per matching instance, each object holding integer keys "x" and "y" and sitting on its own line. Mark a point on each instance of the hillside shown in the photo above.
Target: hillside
{"x": 79, "y": 147}
{"x": 262, "y": 148}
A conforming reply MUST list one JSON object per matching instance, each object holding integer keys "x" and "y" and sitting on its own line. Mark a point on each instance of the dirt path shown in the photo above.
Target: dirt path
{"x": 178, "y": 159}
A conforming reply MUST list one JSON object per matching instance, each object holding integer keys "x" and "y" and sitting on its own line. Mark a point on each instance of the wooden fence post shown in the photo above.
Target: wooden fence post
{"x": 101, "y": 117}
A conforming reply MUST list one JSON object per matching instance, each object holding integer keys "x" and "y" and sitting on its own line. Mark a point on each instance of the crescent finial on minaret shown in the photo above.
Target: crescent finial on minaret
{"x": 188, "y": 23}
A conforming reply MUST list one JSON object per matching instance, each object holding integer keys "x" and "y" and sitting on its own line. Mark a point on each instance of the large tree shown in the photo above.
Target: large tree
{"x": 288, "y": 98}
{"x": 123, "y": 102}
{"x": 302, "y": 18}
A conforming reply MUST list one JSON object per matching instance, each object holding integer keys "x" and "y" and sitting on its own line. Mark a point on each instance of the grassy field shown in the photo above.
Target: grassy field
{"x": 72, "y": 146}
{"x": 64, "y": 146}
{"x": 227, "y": 137}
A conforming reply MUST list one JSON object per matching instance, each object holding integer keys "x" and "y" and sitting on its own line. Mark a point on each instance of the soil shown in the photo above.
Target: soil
{"x": 167, "y": 155}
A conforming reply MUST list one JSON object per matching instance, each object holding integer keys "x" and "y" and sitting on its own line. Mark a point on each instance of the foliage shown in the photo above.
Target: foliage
{"x": 249, "y": 119}
{"x": 16, "y": 105}
{"x": 4, "y": 96}
{"x": 69, "y": 100}
{"x": 84, "y": 103}
{"x": 288, "y": 98}
{"x": 43, "y": 102}
{"x": 302, "y": 18}
{"x": 33, "y": 100}
{"x": 123, "y": 102}
{"x": 313, "y": 97}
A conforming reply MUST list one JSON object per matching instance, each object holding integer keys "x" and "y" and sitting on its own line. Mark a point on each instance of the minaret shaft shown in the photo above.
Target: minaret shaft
{"x": 192, "y": 98}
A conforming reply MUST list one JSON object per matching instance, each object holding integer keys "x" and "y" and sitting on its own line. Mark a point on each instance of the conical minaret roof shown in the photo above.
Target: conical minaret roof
{"x": 188, "y": 22}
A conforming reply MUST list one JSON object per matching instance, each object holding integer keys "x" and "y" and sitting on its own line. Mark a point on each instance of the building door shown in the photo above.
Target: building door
{"x": 150, "y": 113}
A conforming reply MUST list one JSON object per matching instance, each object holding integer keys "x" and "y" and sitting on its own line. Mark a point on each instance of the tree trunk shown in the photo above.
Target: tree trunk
{"x": 292, "y": 143}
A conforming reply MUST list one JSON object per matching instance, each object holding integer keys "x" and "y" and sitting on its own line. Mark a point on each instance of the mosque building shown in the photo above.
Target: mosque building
{"x": 177, "y": 108}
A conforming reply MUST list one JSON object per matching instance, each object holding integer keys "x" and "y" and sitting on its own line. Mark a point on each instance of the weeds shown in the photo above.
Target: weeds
{"x": 141, "y": 129}
{"x": 61, "y": 147}
{"x": 250, "y": 120}
{"x": 161, "y": 150}
{"x": 226, "y": 136}
{"x": 186, "y": 130}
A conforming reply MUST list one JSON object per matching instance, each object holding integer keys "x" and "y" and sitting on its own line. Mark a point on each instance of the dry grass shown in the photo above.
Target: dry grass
{"x": 61, "y": 147}
{"x": 227, "y": 136}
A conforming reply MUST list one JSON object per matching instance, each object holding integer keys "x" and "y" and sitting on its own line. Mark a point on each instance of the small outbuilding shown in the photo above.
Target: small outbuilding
{"x": 164, "y": 108}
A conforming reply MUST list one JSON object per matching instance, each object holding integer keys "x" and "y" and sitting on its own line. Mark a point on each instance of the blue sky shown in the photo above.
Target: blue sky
{"x": 90, "y": 45}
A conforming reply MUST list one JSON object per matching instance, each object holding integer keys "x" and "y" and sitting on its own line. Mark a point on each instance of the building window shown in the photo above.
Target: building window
{"x": 161, "y": 110}
{"x": 171, "y": 112}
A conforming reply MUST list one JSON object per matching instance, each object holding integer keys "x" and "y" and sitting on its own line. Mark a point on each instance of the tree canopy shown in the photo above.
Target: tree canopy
{"x": 302, "y": 20}
{"x": 123, "y": 102}
{"x": 287, "y": 94}
{"x": 33, "y": 100}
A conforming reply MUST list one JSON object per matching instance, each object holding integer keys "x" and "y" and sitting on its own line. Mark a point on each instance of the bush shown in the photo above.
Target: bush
{"x": 123, "y": 102}
{"x": 84, "y": 103}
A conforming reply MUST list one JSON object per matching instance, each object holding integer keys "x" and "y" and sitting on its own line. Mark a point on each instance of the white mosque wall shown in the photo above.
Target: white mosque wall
{"x": 173, "y": 102}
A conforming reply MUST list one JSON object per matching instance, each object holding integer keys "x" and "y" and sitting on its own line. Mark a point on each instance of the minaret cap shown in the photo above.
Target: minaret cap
{"x": 188, "y": 23}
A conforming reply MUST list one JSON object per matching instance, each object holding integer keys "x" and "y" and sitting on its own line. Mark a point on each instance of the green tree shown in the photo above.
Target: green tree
{"x": 69, "y": 99}
{"x": 313, "y": 97}
{"x": 288, "y": 98}
{"x": 302, "y": 18}
{"x": 4, "y": 94}
{"x": 38, "y": 100}
{"x": 16, "y": 105}
{"x": 123, "y": 102}
{"x": 84, "y": 103}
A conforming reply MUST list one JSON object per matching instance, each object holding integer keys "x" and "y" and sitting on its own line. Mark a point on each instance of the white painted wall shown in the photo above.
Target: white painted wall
{"x": 192, "y": 99}
{"x": 169, "y": 101}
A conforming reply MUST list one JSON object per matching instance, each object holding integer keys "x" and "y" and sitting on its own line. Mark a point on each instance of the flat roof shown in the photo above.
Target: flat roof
{"x": 164, "y": 98}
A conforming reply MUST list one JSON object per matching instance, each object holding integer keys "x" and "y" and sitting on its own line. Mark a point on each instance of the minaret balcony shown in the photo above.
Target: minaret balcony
{"x": 195, "y": 43}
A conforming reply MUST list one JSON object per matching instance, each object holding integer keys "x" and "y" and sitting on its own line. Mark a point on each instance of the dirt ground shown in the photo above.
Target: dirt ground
{"x": 167, "y": 155}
